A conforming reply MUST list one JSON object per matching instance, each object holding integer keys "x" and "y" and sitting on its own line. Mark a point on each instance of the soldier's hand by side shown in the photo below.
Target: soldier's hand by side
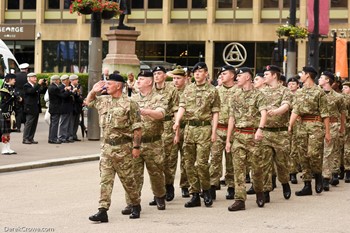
{"x": 135, "y": 153}
{"x": 213, "y": 137}
{"x": 176, "y": 139}
{"x": 328, "y": 138}
{"x": 258, "y": 135}
{"x": 228, "y": 147}
{"x": 290, "y": 130}
{"x": 175, "y": 126}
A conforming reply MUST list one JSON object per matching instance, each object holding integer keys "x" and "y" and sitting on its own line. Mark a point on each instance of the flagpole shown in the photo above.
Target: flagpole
{"x": 314, "y": 38}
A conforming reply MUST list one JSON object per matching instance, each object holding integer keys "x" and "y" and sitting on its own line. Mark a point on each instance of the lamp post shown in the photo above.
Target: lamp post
{"x": 291, "y": 54}
{"x": 314, "y": 38}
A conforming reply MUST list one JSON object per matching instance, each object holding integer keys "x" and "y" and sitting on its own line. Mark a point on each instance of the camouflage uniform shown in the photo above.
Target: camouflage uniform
{"x": 331, "y": 153}
{"x": 313, "y": 103}
{"x": 276, "y": 137}
{"x": 118, "y": 118}
{"x": 151, "y": 152}
{"x": 199, "y": 102}
{"x": 295, "y": 145}
{"x": 245, "y": 107}
{"x": 346, "y": 156}
{"x": 218, "y": 147}
{"x": 170, "y": 159}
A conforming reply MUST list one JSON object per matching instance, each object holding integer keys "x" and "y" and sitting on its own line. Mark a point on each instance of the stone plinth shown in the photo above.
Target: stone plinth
{"x": 121, "y": 52}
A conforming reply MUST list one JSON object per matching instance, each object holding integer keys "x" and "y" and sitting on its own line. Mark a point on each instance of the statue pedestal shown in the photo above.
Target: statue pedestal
{"x": 121, "y": 51}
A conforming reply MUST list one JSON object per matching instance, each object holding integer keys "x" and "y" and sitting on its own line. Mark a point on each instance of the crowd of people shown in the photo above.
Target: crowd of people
{"x": 266, "y": 128}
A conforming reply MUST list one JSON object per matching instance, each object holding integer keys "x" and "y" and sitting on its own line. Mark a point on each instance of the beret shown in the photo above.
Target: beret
{"x": 224, "y": 68}
{"x": 199, "y": 65}
{"x": 159, "y": 68}
{"x": 273, "y": 68}
{"x": 309, "y": 69}
{"x": 329, "y": 74}
{"x": 242, "y": 70}
{"x": 116, "y": 77}
{"x": 145, "y": 73}
{"x": 178, "y": 71}
{"x": 259, "y": 75}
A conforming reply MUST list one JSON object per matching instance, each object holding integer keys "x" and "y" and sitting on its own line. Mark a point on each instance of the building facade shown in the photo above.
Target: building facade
{"x": 183, "y": 32}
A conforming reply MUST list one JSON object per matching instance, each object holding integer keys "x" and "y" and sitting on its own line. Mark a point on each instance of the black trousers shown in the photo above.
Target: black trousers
{"x": 53, "y": 129}
{"x": 30, "y": 126}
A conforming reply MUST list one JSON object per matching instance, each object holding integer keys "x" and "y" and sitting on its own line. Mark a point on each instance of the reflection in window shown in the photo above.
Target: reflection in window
{"x": 199, "y": 3}
{"x": 339, "y": 3}
{"x": 29, "y": 4}
{"x": 180, "y": 4}
{"x": 13, "y": 4}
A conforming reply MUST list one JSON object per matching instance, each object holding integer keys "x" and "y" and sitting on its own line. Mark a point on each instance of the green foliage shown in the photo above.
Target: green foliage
{"x": 287, "y": 30}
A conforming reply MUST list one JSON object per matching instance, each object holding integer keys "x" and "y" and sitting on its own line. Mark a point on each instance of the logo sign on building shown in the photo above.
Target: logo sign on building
{"x": 17, "y": 32}
{"x": 234, "y": 54}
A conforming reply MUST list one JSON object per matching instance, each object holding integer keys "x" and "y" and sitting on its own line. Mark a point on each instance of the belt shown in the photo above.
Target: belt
{"x": 117, "y": 142}
{"x": 150, "y": 139}
{"x": 333, "y": 119}
{"x": 198, "y": 123}
{"x": 168, "y": 118}
{"x": 246, "y": 130}
{"x": 222, "y": 126}
{"x": 277, "y": 129}
{"x": 312, "y": 118}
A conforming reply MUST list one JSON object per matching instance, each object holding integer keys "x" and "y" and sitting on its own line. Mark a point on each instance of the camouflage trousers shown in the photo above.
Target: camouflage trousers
{"x": 246, "y": 152}
{"x": 151, "y": 155}
{"x": 215, "y": 169}
{"x": 178, "y": 148}
{"x": 197, "y": 144}
{"x": 347, "y": 149}
{"x": 170, "y": 158}
{"x": 311, "y": 136}
{"x": 331, "y": 153}
{"x": 295, "y": 148}
{"x": 275, "y": 152}
{"x": 117, "y": 159}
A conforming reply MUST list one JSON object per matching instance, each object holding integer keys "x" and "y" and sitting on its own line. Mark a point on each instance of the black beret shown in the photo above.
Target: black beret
{"x": 283, "y": 78}
{"x": 224, "y": 68}
{"x": 329, "y": 74}
{"x": 159, "y": 68}
{"x": 145, "y": 73}
{"x": 259, "y": 75}
{"x": 273, "y": 68}
{"x": 245, "y": 70}
{"x": 116, "y": 77}
{"x": 10, "y": 76}
{"x": 292, "y": 79}
{"x": 199, "y": 65}
{"x": 309, "y": 69}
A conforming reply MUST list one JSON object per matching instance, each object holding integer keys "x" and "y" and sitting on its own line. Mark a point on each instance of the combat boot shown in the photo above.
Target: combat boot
{"x": 170, "y": 194}
{"x": 185, "y": 192}
{"x": 274, "y": 185}
{"x": 230, "y": 193}
{"x": 195, "y": 201}
{"x": 251, "y": 190}
{"x": 293, "y": 178}
{"x": 160, "y": 203}
{"x": 286, "y": 191}
{"x": 342, "y": 172}
{"x": 153, "y": 202}
{"x": 127, "y": 210}
{"x": 135, "y": 211}
{"x": 267, "y": 196}
{"x": 335, "y": 179}
{"x": 318, "y": 183}
{"x": 260, "y": 199}
{"x": 325, "y": 184}
{"x": 306, "y": 190}
{"x": 237, "y": 205}
{"x": 347, "y": 177}
{"x": 100, "y": 216}
{"x": 208, "y": 201}
{"x": 212, "y": 192}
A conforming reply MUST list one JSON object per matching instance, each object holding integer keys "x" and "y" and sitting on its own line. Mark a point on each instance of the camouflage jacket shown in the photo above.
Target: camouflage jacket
{"x": 151, "y": 127}
{"x": 245, "y": 107}
{"x": 336, "y": 105}
{"x": 311, "y": 101}
{"x": 225, "y": 94}
{"x": 275, "y": 98}
{"x": 170, "y": 95}
{"x": 200, "y": 102}
{"x": 118, "y": 117}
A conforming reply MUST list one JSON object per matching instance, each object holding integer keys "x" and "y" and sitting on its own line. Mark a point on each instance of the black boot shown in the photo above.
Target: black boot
{"x": 325, "y": 184}
{"x": 212, "y": 192}
{"x": 347, "y": 177}
{"x": 293, "y": 178}
{"x": 260, "y": 199}
{"x": 135, "y": 212}
{"x": 335, "y": 179}
{"x": 251, "y": 190}
{"x": 267, "y": 196}
{"x": 185, "y": 192}
{"x": 208, "y": 200}
{"x": 100, "y": 216}
{"x": 170, "y": 194}
{"x": 160, "y": 203}
{"x": 195, "y": 201}
{"x": 306, "y": 190}
{"x": 223, "y": 182}
{"x": 247, "y": 178}
{"x": 286, "y": 191}
{"x": 153, "y": 202}
{"x": 127, "y": 210}
{"x": 319, "y": 183}
{"x": 230, "y": 193}
{"x": 274, "y": 185}
{"x": 342, "y": 172}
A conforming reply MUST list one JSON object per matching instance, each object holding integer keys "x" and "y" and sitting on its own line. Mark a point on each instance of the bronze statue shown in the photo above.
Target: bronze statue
{"x": 125, "y": 6}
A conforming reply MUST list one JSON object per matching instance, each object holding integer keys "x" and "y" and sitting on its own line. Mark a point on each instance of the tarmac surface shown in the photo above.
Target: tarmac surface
{"x": 61, "y": 198}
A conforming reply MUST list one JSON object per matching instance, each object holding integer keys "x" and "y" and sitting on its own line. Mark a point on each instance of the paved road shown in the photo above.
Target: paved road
{"x": 63, "y": 197}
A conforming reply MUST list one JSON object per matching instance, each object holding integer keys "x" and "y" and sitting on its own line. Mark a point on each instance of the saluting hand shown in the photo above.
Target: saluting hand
{"x": 98, "y": 87}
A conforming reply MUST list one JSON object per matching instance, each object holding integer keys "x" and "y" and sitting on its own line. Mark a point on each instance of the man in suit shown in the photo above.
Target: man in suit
{"x": 21, "y": 79}
{"x": 54, "y": 109}
{"x": 78, "y": 104}
{"x": 66, "y": 110}
{"x": 32, "y": 107}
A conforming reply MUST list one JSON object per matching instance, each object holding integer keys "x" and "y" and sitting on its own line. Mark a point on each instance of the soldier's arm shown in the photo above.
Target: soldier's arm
{"x": 231, "y": 123}
{"x": 214, "y": 126}
{"x": 178, "y": 117}
{"x": 342, "y": 122}
{"x": 136, "y": 143}
{"x": 279, "y": 111}
{"x": 293, "y": 118}
{"x": 258, "y": 133}
{"x": 92, "y": 94}
{"x": 157, "y": 114}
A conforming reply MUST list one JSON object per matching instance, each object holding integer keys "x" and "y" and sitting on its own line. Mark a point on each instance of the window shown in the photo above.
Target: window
{"x": 180, "y": 4}
{"x": 235, "y": 4}
{"x": 286, "y": 3}
{"x": 58, "y": 4}
{"x": 21, "y": 4}
{"x": 276, "y": 3}
{"x": 199, "y": 4}
{"x": 29, "y": 4}
{"x": 339, "y": 3}
{"x": 155, "y": 4}
{"x": 13, "y": 4}
{"x": 137, "y": 4}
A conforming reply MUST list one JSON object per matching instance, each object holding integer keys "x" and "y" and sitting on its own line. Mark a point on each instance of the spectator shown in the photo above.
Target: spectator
{"x": 55, "y": 101}
{"x": 78, "y": 104}
{"x": 21, "y": 79}
{"x": 66, "y": 110}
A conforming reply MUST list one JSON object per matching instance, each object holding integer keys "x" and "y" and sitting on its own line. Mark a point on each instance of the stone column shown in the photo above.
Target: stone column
{"x": 121, "y": 52}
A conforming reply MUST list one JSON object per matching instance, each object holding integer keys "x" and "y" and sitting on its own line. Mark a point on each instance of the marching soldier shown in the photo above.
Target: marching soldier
{"x": 346, "y": 92}
{"x": 312, "y": 108}
{"x": 200, "y": 104}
